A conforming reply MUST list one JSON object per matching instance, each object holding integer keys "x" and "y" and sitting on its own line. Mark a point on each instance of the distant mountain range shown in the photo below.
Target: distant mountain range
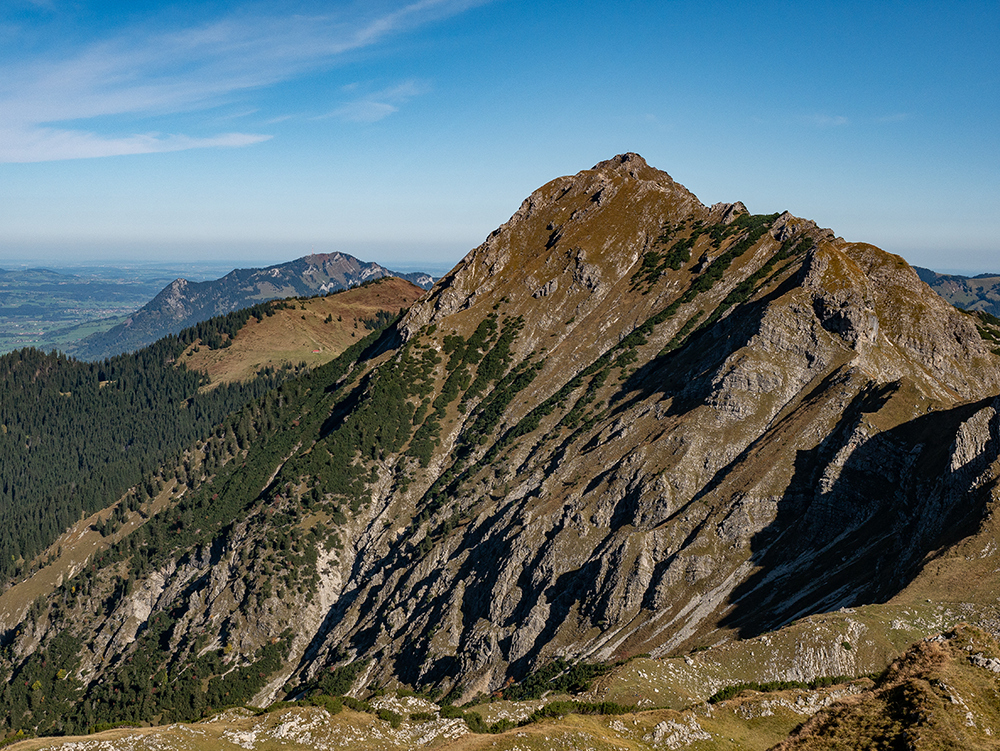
{"x": 981, "y": 292}
{"x": 182, "y": 303}
{"x": 33, "y": 275}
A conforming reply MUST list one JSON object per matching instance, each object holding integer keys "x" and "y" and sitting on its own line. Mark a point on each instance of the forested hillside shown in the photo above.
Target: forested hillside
{"x": 75, "y": 435}
{"x": 215, "y": 495}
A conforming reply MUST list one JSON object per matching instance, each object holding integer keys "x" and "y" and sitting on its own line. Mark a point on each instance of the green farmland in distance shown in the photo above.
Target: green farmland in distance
{"x": 48, "y": 309}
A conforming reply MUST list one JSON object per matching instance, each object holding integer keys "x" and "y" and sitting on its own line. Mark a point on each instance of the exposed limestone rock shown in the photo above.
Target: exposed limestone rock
{"x": 973, "y": 437}
{"x": 726, "y": 213}
{"x": 981, "y": 661}
{"x": 673, "y": 735}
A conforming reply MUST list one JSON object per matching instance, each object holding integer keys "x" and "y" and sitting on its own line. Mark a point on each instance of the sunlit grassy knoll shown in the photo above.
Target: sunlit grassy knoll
{"x": 311, "y": 331}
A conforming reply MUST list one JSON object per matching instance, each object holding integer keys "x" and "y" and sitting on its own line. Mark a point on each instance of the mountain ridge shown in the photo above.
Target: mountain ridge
{"x": 182, "y": 304}
{"x": 309, "y": 330}
{"x": 625, "y": 424}
{"x": 978, "y": 293}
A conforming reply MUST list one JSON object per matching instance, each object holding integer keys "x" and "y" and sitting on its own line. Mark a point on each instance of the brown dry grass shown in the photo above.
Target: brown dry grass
{"x": 300, "y": 729}
{"x": 934, "y": 697}
{"x": 312, "y": 331}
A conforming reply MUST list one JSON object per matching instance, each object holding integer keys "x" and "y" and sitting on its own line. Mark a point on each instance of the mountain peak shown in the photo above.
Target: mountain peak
{"x": 633, "y": 165}
{"x": 628, "y": 158}
{"x": 625, "y": 424}
{"x": 628, "y": 162}
{"x": 593, "y": 225}
{"x": 182, "y": 303}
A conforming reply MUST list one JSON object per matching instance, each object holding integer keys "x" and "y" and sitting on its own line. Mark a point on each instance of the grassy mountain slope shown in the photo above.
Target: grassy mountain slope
{"x": 941, "y": 694}
{"x": 310, "y": 330}
{"x": 626, "y": 424}
{"x": 183, "y": 304}
{"x": 75, "y": 436}
{"x": 311, "y": 728}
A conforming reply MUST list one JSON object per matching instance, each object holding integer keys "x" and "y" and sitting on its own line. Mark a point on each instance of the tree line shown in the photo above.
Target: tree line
{"x": 74, "y": 436}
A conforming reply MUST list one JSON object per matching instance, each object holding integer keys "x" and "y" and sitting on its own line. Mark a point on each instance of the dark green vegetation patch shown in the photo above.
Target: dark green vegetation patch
{"x": 736, "y": 689}
{"x": 75, "y": 436}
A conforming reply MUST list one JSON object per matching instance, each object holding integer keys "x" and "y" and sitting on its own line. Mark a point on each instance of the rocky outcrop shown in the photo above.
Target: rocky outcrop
{"x": 930, "y": 697}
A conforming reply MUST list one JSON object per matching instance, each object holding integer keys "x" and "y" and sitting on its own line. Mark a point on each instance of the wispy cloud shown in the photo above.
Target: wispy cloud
{"x": 364, "y": 112}
{"x": 826, "y": 121}
{"x": 236, "y": 115}
{"x": 378, "y": 104}
{"x": 51, "y": 144}
{"x": 142, "y": 73}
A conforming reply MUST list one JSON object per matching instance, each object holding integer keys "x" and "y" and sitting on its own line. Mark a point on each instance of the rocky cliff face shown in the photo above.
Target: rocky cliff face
{"x": 626, "y": 423}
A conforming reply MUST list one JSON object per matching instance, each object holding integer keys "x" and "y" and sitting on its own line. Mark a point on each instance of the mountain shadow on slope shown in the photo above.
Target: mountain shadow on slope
{"x": 684, "y": 374}
{"x": 862, "y": 538}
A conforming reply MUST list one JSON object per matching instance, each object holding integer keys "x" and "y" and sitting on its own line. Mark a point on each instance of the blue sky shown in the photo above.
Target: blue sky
{"x": 405, "y": 131}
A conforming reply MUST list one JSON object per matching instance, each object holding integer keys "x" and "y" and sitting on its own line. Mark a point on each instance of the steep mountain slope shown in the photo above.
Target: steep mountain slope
{"x": 980, "y": 292}
{"x": 74, "y": 436}
{"x": 182, "y": 304}
{"x": 745, "y": 439}
{"x": 627, "y": 423}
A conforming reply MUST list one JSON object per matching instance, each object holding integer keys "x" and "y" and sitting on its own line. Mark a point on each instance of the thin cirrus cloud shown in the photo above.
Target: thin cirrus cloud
{"x": 898, "y": 117}
{"x": 143, "y": 73}
{"x": 837, "y": 121}
{"x": 377, "y": 105}
{"x": 827, "y": 121}
{"x": 50, "y": 144}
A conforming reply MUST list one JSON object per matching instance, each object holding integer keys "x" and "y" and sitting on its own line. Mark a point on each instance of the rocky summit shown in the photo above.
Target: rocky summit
{"x": 626, "y": 429}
